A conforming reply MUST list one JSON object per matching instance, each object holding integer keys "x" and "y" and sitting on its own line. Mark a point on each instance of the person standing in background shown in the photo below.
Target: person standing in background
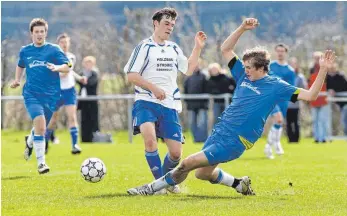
{"x": 293, "y": 124}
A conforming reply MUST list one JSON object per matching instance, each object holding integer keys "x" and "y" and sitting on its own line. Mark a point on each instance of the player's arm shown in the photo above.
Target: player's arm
{"x": 229, "y": 44}
{"x": 326, "y": 59}
{"x": 64, "y": 68}
{"x": 19, "y": 70}
{"x": 200, "y": 39}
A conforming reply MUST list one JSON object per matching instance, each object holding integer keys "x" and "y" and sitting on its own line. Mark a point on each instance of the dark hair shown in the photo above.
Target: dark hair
{"x": 259, "y": 57}
{"x": 38, "y": 22}
{"x": 283, "y": 46}
{"x": 158, "y": 15}
{"x": 62, "y": 36}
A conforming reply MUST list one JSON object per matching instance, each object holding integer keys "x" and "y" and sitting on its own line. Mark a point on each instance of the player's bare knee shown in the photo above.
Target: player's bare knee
{"x": 176, "y": 155}
{"x": 151, "y": 144}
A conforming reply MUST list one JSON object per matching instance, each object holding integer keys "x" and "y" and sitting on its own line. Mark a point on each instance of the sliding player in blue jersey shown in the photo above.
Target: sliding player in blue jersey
{"x": 243, "y": 121}
{"x": 281, "y": 69}
{"x": 42, "y": 61}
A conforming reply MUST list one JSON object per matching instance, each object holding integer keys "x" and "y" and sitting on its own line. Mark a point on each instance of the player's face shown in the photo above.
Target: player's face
{"x": 38, "y": 35}
{"x": 64, "y": 44}
{"x": 88, "y": 65}
{"x": 165, "y": 27}
{"x": 281, "y": 53}
{"x": 252, "y": 73}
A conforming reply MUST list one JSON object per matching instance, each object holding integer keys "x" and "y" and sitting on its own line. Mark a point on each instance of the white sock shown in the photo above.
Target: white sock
{"x": 39, "y": 146}
{"x": 270, "y": 136}
{"x": 226, "y": 179}
{"x": 278, "y": 134}
{"x": 31, "y": 138}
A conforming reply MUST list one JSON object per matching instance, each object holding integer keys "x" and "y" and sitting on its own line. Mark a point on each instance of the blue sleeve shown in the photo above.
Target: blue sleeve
{"x": 236, "y": 68}
{"x": 59, "y": 57}
{"x": 286, "y": 92}
{"x": 21, "y": 62}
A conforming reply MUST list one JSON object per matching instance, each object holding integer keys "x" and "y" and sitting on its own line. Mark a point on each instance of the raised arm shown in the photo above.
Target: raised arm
{"x": 229, "y": 44}
{"x": 200, "y": 39}
{"x": 326, "y": 59}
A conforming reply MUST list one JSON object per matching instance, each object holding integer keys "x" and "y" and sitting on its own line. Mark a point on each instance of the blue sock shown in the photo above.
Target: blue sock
{"x": 154, "y": 163}
{"x": 74, "y": 135}
{"x": 219, "y": 178}
{"x": 169, "y": 164}
{"x": 48, "y": 134}
{"x": 277, "y": 126}
{"x": 168, "y": 178}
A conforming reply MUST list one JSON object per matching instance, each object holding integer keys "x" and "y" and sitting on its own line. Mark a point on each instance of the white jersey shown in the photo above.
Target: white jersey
{"x": 158, "y": 64}
{"x": 68, "y": 81}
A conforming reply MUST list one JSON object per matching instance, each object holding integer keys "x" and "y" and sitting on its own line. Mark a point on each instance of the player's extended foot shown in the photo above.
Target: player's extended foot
{"x": 268, "y": 151}
{"x": 28, "y": 150}
{"x": 174, "y": 189}
{"x": 278, "y": 148}
{"x": 245, "y": 187}
{"x": 144, "y": 190}
{"x": 76, "y": 149}
{"x": 43, "y": 168}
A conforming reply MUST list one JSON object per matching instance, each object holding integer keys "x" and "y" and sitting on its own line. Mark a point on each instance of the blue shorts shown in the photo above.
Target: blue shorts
{"x": 166, "y": 120}
{"x": 281, "y": 107}
{"x": 37, "y": 105}
{"x": 68, "y": 97}
{"x": 221, "y": 149}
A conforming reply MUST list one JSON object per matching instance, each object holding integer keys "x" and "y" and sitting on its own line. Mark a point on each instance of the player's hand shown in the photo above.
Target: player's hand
{"x": 84, "y": 80}
{"x": 52, "y": 67}
{"x": 250, "y": 23}
{"x": 200, "y": 39}
{"x": 158, "y": 93}
{"x": 15, "y": 84}
{"x": 327, "y": 59}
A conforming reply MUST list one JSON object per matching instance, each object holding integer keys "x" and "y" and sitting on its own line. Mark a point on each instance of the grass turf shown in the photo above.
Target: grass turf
{"x": 318, "y": 175}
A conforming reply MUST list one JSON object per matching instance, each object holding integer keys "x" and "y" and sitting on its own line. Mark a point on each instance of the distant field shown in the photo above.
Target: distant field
{"x": 318, "y": 174}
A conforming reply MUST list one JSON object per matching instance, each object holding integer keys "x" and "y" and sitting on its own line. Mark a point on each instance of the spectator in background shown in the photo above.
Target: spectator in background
{"x": 197, "y": 109}
{"x": 89, "y": 109}
{"x": 293, "y": 125}
{"x": 219, "y": 83}
{"x": 319, "y": 107}
{"x": 336, "y": 82}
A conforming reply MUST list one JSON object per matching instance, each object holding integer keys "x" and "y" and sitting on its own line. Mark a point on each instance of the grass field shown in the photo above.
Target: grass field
{"x": 318, "y": 174}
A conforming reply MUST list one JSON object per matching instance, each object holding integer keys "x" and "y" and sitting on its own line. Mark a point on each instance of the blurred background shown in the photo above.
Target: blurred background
{"x": 110, "y": 31}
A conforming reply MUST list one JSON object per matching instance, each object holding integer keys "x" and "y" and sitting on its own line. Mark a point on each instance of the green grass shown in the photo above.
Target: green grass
{"x": 317, "y": 172}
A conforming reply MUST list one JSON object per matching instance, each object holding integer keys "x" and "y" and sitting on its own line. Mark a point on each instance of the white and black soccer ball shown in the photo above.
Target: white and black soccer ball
{"x": 93, "y": 170}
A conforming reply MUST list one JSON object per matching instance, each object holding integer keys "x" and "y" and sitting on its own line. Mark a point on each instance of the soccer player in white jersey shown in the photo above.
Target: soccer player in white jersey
{"x": 42, "y": 62}
{"x": 153, "y": 68}
{"x": 68, "y": 95}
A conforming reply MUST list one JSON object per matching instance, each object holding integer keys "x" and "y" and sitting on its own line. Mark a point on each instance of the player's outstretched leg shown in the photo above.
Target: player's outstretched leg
{"x": 217, "y": 176}
{"x": 171, "y": 160}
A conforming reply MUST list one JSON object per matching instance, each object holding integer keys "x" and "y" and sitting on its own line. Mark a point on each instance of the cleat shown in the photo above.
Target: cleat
{"x": 268, "y": 152}
{"x": 144, "y": 190}
{"x": 244, "y": 187}
{"x": 28, "y": 150}
{"x": 76, "y": 149}
{"x": 43, "y": 168}
{"x": 174, "y": 189}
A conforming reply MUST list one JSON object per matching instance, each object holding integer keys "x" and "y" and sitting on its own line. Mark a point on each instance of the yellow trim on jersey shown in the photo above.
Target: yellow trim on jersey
{"x": 246, "y": 143}
{"x": 297, "y": 91}
{"x": 69, "y": 64}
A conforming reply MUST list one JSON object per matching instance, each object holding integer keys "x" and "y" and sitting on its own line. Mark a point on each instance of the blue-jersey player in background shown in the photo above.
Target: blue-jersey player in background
{"x": 243, "y": 121}
{"x": 42, "y": 62}
{"x": 281, "y": 69}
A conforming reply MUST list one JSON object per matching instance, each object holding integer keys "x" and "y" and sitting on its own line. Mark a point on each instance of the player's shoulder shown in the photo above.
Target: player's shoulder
{"x": 290, "y": 68}
{"x": 171, "y": 43}
{"x": 26, "y": 47}
{"x": 52, "y": 46}
{"x": 146, "y": 42}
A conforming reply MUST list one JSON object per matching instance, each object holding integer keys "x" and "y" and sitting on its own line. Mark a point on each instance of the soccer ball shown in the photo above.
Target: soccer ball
{"x": 93, "y": 170}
